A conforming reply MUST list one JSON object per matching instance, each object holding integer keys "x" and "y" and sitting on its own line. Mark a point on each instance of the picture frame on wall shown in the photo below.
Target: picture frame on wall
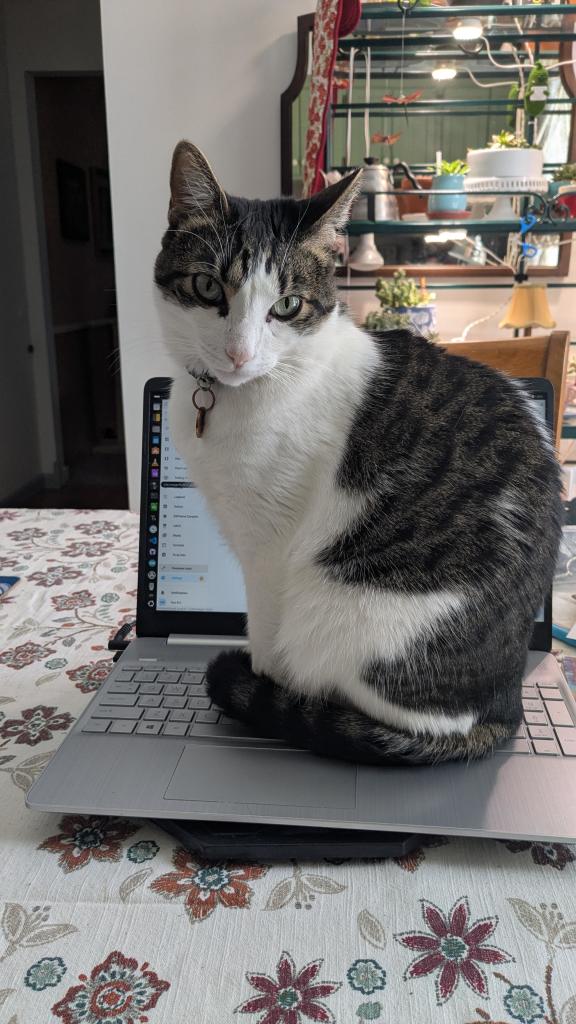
{"x": 101, "y": 210}
{"x": 73, "y": 202}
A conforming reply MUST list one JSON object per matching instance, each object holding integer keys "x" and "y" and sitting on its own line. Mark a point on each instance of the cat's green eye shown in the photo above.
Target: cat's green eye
{"x": 207, "y": 288}
{"x": 286, "y": 307}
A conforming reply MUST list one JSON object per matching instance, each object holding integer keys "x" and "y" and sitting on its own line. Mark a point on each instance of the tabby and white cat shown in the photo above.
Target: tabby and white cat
{"x": 396, "y": 511}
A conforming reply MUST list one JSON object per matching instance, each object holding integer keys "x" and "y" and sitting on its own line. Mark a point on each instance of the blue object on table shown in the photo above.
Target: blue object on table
{"x": 6, "y": 582}
{"x": 559, "y": 633}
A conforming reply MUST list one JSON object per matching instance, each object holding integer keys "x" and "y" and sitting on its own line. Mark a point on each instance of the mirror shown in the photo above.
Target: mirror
{"x": 448, "y": 117}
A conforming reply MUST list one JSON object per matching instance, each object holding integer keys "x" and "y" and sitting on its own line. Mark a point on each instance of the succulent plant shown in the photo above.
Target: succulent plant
{"x": 509, "y": 140}
{"x": 565, "y": 173}
{"x": 401, "y": 291}
{"x": 452, "y": 167}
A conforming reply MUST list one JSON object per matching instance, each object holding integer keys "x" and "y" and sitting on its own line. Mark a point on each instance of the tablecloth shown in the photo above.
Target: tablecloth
{"x": 108, "y": 920}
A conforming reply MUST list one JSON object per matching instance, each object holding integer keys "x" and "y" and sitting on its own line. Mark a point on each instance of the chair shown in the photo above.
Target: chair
{"x": 544, "y": 356}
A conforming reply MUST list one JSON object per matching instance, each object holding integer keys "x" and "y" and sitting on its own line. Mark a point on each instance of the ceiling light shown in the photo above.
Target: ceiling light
{"x": 467, "y": 28}
{"x": 444, "y": 72}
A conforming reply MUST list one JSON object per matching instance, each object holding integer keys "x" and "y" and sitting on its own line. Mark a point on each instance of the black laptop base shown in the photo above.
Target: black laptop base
{"x": 231, "y": 840}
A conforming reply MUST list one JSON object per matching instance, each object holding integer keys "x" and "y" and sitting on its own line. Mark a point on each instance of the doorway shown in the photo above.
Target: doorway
{"x": 70, "y": 116}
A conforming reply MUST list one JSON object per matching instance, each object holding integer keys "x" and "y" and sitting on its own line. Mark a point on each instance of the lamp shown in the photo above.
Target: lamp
{"x": 528, "y": 307}
{"x": 444, "y": 72}
{"x": 467, "y": 29}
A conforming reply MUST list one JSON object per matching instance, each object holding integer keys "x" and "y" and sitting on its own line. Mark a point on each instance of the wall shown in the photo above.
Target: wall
{"x": 19, "y": 456}
{"x": 213, "y": 73}
{"x": 42, "y": 36}
{"x": 158, "y": 61}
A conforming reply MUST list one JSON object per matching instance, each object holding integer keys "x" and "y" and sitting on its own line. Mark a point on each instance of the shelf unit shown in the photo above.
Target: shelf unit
{"x": 380, "y": 29}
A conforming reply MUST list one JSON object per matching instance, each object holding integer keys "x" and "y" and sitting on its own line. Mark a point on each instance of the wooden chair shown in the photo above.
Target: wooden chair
{"x": 544, "y": 356}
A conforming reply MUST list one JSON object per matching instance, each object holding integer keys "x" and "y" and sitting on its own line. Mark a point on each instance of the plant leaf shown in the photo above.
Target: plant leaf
{"x": 46, "y": 678}
{"x": 14, "y": 922}
{"x": 566, "y": 937}
{"x": 371, "y": 929}
{"x": 530, "y": 917}
{"x": 568, "y": 1011}
{"x": 133, "y": 882}
{"x": 7, "y": 700}
{"x": 25, "y": 773}
{"x": 281, "y": 895}
{"x": 4, "y": 993}
{"x": 320, "y": 883}
{"x": 47, "y": 933}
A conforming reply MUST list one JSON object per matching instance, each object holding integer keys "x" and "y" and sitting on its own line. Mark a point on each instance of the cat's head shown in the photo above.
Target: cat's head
{"x": 247, "y": 281}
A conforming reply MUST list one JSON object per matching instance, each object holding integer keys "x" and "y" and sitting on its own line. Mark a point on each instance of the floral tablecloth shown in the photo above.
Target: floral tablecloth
{"x": 108, "y": 920}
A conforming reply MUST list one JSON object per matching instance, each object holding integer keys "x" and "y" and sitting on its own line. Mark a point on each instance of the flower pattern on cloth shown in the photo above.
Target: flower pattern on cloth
{"x": 86, "y": 838}
{"x": 35, "y": 725}
{"x": 205, "y": 886}
{"x": 47, "y": 973}
{"x": 55, "y": 575}
{"x": 291, "y": 997}
{"x": 146, "y": 849}
{"x": 118, "y": 991}
{"x": 453, "y": 949}
{"x": 524, "y": 1004}
{"x": 25, "y": 654}
{"x": 89, "y": 677}
{"x": 366, "y": 976}
{"x": 78, "y": 599}
{"x": 554, "y": 855}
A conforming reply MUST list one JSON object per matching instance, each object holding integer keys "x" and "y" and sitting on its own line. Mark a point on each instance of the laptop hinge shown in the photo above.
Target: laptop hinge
{"x": 183, "y": 639}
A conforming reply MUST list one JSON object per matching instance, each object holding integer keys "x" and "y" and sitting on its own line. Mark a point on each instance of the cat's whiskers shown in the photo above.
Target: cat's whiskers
{"x": 194, "y": 234}
{"x": 293, "y": 235}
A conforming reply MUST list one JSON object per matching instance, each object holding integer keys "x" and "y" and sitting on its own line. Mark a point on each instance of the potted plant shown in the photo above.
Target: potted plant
{"x": 403, "y": 304}
{"x": 507, "y": 155}
{"x": 564, "y": 181}
{"x": 449, "y": 176}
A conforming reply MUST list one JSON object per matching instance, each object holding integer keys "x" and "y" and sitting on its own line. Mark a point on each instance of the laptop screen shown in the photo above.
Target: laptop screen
{"x": 196, "y": 571}
{"x": 189, "y": 580}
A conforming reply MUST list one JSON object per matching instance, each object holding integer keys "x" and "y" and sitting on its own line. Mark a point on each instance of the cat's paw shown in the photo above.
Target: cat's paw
{"x": 231, "y": 682}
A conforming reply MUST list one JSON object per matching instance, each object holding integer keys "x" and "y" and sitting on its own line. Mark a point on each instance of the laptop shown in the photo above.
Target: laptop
{"x": 151, "y": 745}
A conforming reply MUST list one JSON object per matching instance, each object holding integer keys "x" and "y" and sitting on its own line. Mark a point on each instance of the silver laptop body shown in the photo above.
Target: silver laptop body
{"x": 150, "y": 745}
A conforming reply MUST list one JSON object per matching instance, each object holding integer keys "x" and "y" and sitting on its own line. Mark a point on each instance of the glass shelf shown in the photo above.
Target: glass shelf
{"x": 391, "y": 12}
{"x": 478, "y": 227}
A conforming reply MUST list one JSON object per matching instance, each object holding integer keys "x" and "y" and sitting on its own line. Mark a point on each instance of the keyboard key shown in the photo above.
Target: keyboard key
{"x": 168, "y": 677}
{"x": 530, "y": 691}
{"x": 175, "y": 690}
{"x": 234, "y": 731}
{"x": 234, "y": 721}
{"x": 197, "y": 690}
{"x": 96, "y": 725}
{"x": 551, "y": 694}
{"x": 545, "y": 747}
{"x": 567, "y": 740}
{"x": 181, "y": 716}
{"x": 149, "y": 728}
{"x": 104, "y": 711}
{"x": 544, "y": 684}
{"x": 536, "y": 717}
{"x": 123, "y": 676}
{"x": 122, "y": 727}
{"x": 207, "y": 717}
{"x": 541, "y": 732}
{"x": 174, "y": 702}
{"x": 151, "y": 688}
{"x": 520, "y": 729}
{"x": 199, "y": 703}
{"x": 192, "y": 677}
{"x": 119, "y": 700}
{"x": 510, "y": 746}
{"x": 155, "y": 715}
{"x": 532, "y": 705}
{"x": 149, "y": 701}
{"x": 145, "y": 677}
{"x": 119, "y": 687}
{"x": 174, "y": 729}
{"x": 558, "y": 713}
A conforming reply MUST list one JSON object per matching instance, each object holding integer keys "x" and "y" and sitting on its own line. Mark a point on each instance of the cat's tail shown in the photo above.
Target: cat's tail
{"x": 330, "y": 729}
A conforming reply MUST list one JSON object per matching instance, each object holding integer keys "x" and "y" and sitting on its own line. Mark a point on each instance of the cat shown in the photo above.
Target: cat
{"x": 396, "y": 511}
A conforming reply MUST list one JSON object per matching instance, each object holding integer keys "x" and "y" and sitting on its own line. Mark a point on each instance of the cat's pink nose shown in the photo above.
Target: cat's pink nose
{"x": 238, "y": 357}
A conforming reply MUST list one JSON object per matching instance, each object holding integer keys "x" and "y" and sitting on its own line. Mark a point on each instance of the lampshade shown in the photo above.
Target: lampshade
{"x": 528, "y": 307}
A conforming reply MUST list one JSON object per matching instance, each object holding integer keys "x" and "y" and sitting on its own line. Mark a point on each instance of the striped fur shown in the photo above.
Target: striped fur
{"x": 396, "y": 511}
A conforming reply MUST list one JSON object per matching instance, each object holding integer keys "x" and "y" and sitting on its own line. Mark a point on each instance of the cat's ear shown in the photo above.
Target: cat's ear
{"x": 193, "y": 186}
{"x": 327, "y": 212}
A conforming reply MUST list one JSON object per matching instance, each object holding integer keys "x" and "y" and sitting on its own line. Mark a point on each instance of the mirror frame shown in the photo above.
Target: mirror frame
{"x": 305, "y": 25}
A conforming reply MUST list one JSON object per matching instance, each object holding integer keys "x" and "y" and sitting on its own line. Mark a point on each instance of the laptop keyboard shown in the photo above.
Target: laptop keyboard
{"x": 172, "y": 701}
{"x": 164, "y": 701}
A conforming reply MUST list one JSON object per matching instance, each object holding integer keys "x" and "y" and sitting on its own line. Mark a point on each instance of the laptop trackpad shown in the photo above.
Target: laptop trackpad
{"x": 248, "y": 775}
